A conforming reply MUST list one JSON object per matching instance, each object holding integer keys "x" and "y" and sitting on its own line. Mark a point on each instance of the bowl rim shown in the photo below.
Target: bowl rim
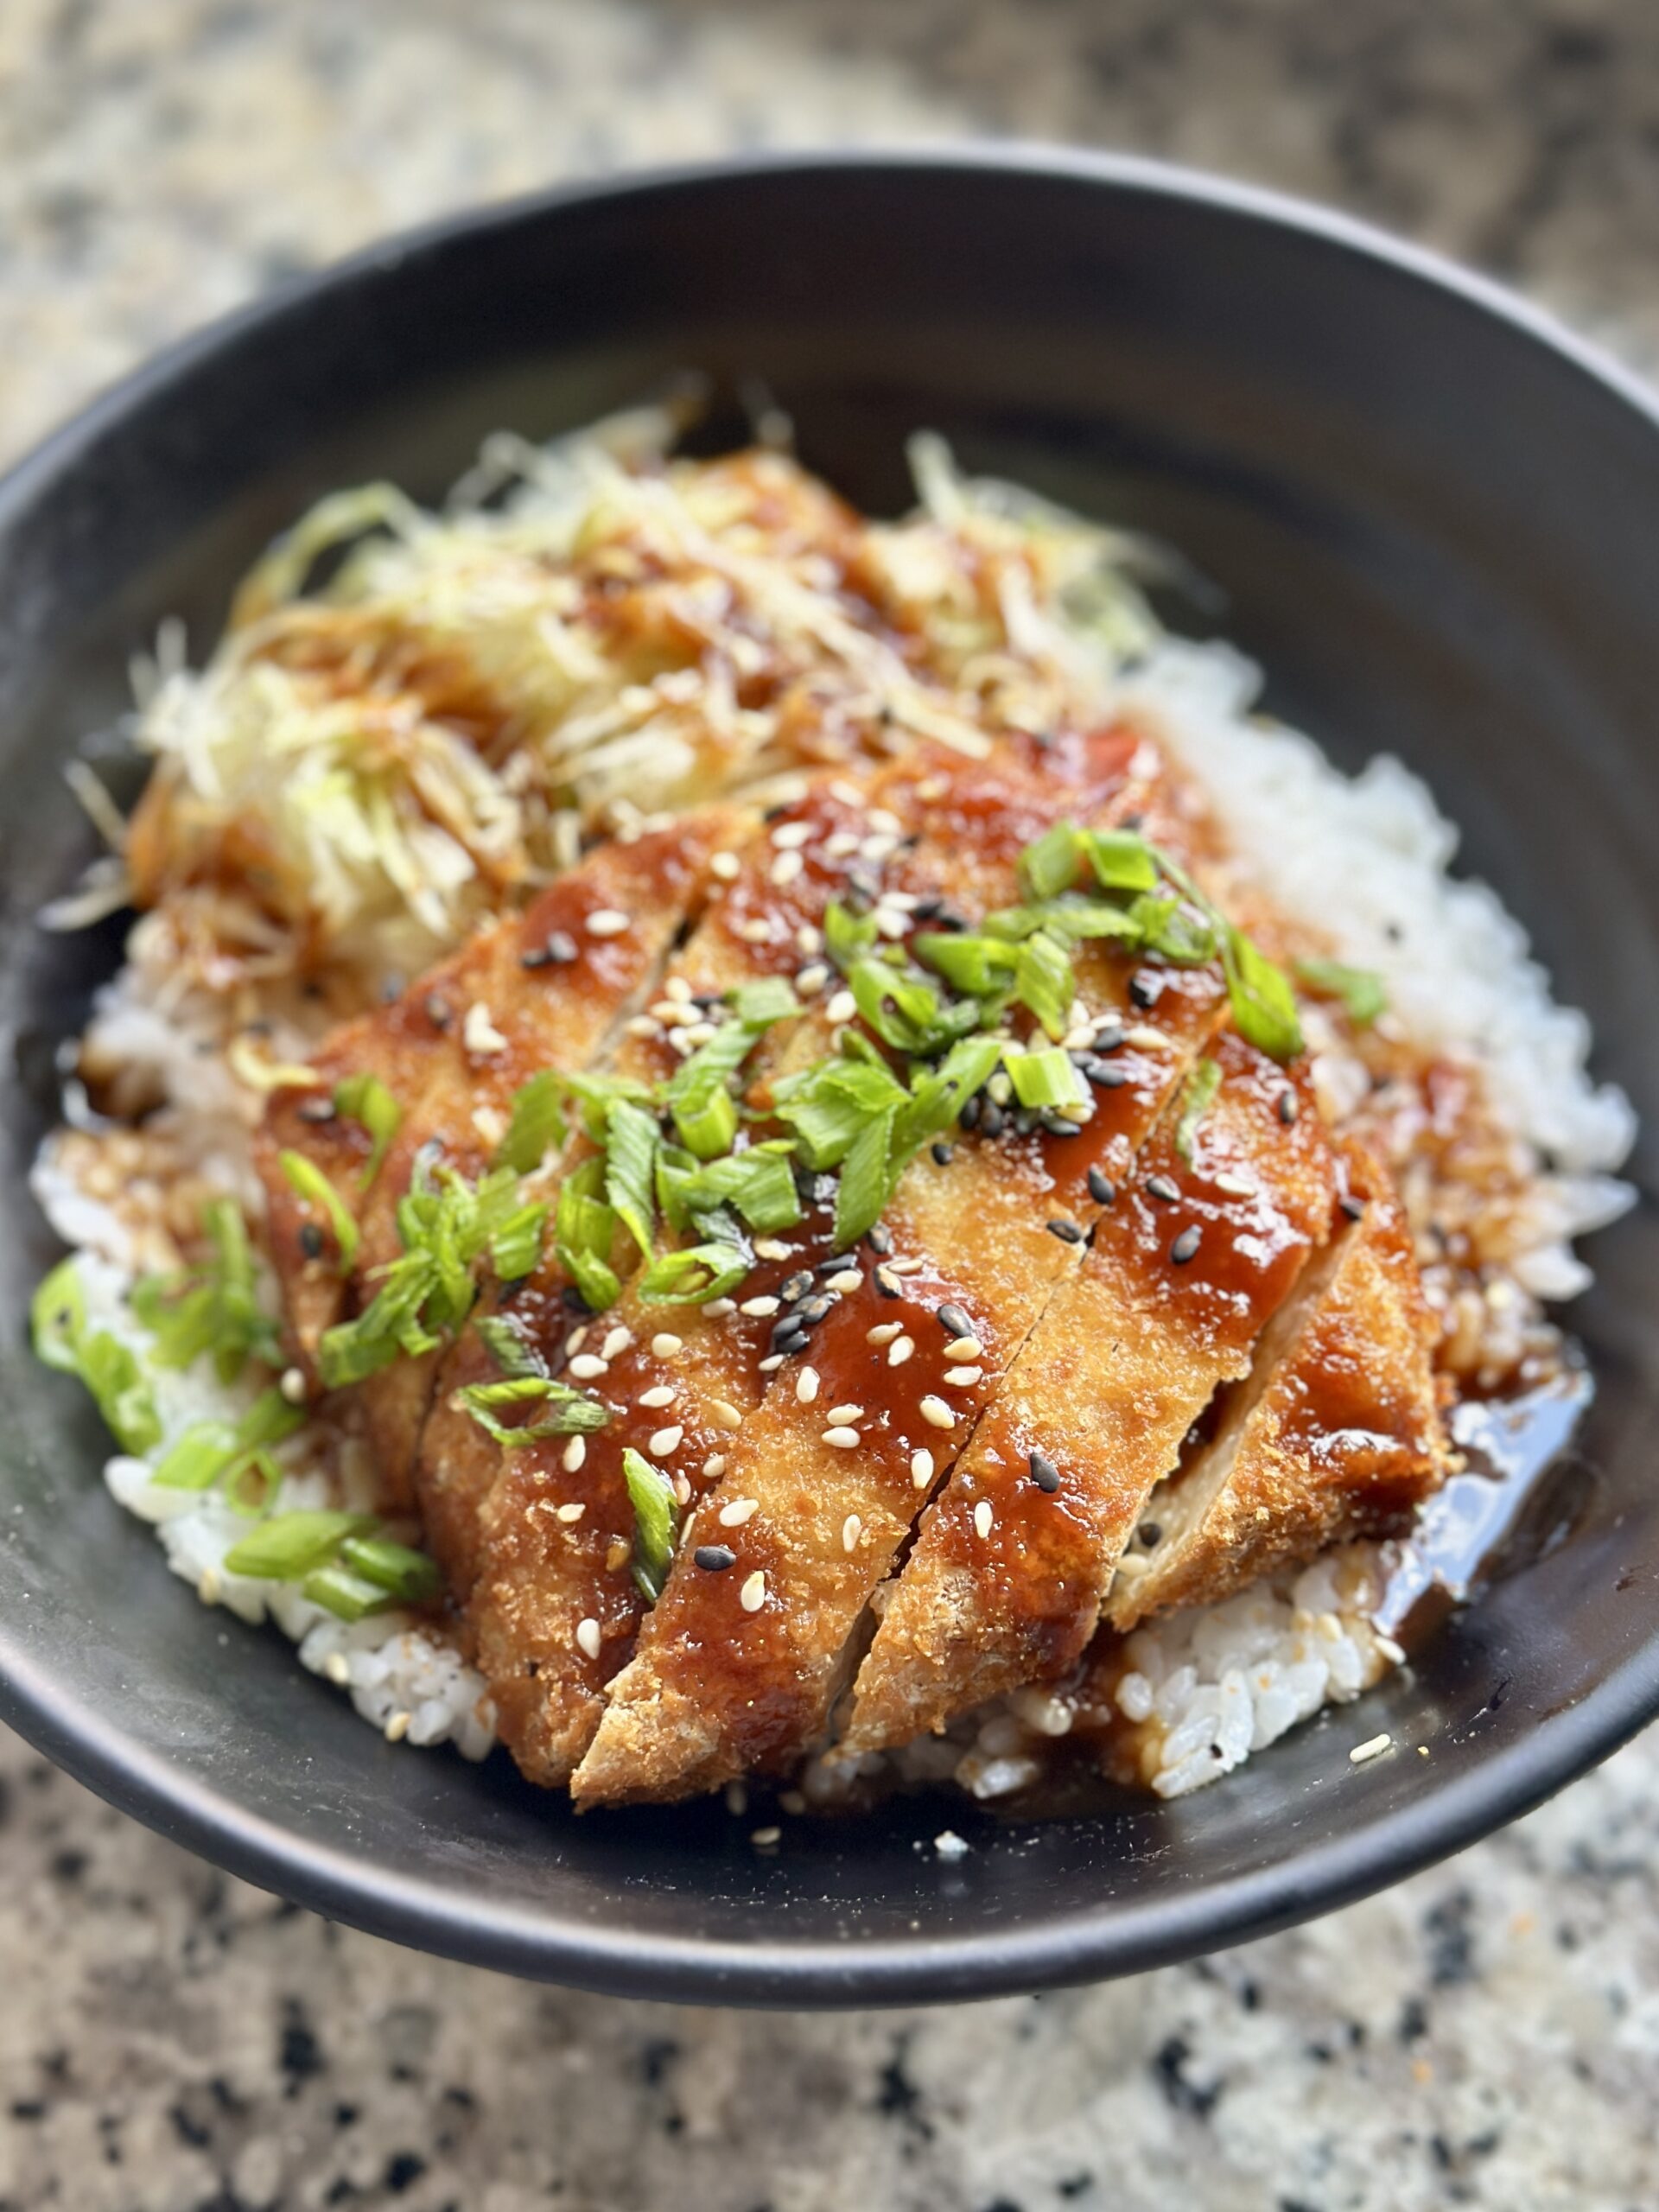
{"x": 1113, "y": 1937}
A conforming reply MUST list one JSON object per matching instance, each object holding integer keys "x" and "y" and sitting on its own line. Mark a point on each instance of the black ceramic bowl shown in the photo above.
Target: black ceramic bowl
{"x": 1436, "y": 520}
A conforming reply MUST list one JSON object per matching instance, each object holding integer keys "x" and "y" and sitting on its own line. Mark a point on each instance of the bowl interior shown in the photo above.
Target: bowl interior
{"x": 1437, "y": 531}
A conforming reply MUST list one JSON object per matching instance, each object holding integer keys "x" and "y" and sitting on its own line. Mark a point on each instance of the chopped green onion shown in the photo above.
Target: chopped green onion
{"x": 198, "y": 1457}
{"x": 308, "y": 1182}
{"x": 1044, "y": 981}
{"x": 508, "y": 1345}
{"x": 1046, "y": 1078}
{"x": 215, "y": 1308}
{"x": 569, "y": 1411}
{"x": 1050, "y": 865}
{"x": 631, "y": 1139}
{"x": 365, "y": 1099}
{"x": 768, "y": 999}
{"x": 348, "y": 1597}
{"x": 1122, "y": 860}
{"x": 656, "y": 1524}
{"x": 407, "y": 1573}
{"x": 536, "y": 1123}
{"x": 1201, "y": 1087}
{"x": 862, "y": 1192}
{"x": 290, "y": 1546}
{"x": 759, "y": 1184}
{"x": 982, "y": 966}
{"x": 847, "y": 936}
{"x": 695, "y": 1273}
{"x": 110, "y": 1370}
{"x": 516, "y": 1246}
{"x": 1264, "y": 1006}
{"x": 584, "y": 1229}
{"x": 1360, "y": 990}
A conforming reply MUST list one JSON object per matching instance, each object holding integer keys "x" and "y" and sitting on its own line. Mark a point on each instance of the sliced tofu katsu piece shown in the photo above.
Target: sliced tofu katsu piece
{"x": 1335, "y": 1434}
{"x": 550, "y": 987}
{"x": 554, "y": 1608}
{"x": 737, "y": 1668}
{"x": 1014, "y": 1556}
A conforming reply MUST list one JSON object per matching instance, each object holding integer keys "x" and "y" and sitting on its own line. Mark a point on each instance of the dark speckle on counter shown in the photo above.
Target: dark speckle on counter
{"x": 173, "y": 2041}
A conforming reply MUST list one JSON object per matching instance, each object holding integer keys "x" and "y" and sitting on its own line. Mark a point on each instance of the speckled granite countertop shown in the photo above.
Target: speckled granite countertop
{"x": 171, "y": 2040}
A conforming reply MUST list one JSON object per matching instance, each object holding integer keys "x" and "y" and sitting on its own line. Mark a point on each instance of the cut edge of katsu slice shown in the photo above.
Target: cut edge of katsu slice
{"x": 1335, "y": 1434}
{"x": 1014, "y": 1557}
{"x": 961, "y": 825}
{"x": 546, "y": 988}
{"x": 736, "y": 1670}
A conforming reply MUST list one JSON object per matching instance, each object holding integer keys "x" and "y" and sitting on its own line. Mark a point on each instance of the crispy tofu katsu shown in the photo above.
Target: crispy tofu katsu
{"x": 780, "y": 1267}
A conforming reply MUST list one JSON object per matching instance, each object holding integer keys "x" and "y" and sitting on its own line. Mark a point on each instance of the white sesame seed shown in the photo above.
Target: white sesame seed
{"x": 644, "y": 1025}
{"x": 905, "y": 1267}
{"x": 1236, "y": 1186}
{"x": 574, "y": 1341}
{"x": 682, "y": 1489}
{"x": 1145, "y": 1038}
{"x": 964, "y": 1347}
{"x": 398, "y": 1727}
{"x": 884, "y": 818}
{"x": 714, "y": 1466}
{"x": 759, "y": 1309}
{"x": 752, "y": 1595}
{"x": 1372, "y": 1749}
{"x": 589, "y": 1638}
{"x": 208, "y": 1586}
{"x": 574, "y": 1453}
{"x": 1388, "y": 1649}
{"x": 1000, "y": 1088}
{"x": 478, "y": 1033}
{"x": 950, "y": 1846}
{"x": 844, "y": 1440}
{"x": 764, "y": 1839}
{"x": 851, "y": 1529}
{"x": 661, "y": 1394}
{"x": 877, "y": 849}
{"x": 588, "y": 1367}
{"x": 607, "y": 921}
{"x": 571, "y": 1514}
{"x": 842, "y": 1008}
{"x": 937, "y": 1413}
{"x": 771, "y": 1364}
{"x": 809, "y": 940}
{"x": 891, "y": 921}
{"x": 676, "y": 987}
{"x": 842, "y": 844}
{"x": 846, "y": 1412}
{"x": 737, "y": 1510}
{"x": 789, "y": 836}
{"x": 921, "y": 1469}
{"x": 964, "y": 1378}
{"x": 665, "y": 1345}
{"x": 849, "y": 1279}
{"x": 725, "y": 866}
{"x": 491, "y": 1126}
{"x": 666, "y": 1441}
{"x": 811, "y": 979}
{"x": 717, "y": 1308}
{"x": 756, "y": 930}
{"x": 616, "y": 1342}
{"x": 338, "y": 1668}
{"x": 983, "y": 1519}
{"x": 806, "y": 1385}
{"x": 771, "y": 1248}
{"x": 884, "y": 1333}
{"x": 695, "y": 1033}
{"x": 292, "y": 1386}
{"x": 724, "y": 1415}
{"x": 785, "y": 869}
{"x": 931, "y": 788}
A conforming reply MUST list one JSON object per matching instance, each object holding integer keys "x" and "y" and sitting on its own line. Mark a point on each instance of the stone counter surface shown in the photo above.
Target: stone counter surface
{"x": 173, "y": 2041}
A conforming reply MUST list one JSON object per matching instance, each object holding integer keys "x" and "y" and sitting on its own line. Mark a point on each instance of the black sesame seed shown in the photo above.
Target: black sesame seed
{"x": 1109, "y": 1037}
{"x": 1185, "y": 1245}
{"x": 1100, "y": 1190}
{"x": 968, "y": 1117}
{"x": 1135, "y": 818}
{"x": 928, "y": 909}
{"x": 316, "y": 1109}
{"x": 1067, "y": 1231}
{"x": 954, "y": 1321}
{"x": 310, "y": 1240}
{"x": 833, "y": 1262}
{"x": 1150, "y": 1534}
{"x": 948, "y": 918}
{"x": 889, "y": 1284}
{"x": 439, "y": 1012}
{"x": 991, "y": 1119}
{"x": 943, "y": 1155}
{"x": 562, "y": 948}
{"x": 1045, "y": 1473}
{"x": 1057, "y": 1125}
{"x": 812, "y": 1311}
{"x": 1146, "y": 990}
{"x": 793, "y": 1340}
{"x": 536, "y": 956}
{"x": 880, "y": 1239}
{"x": 786, "y": 1324}
{"x": 1105, "y": 1076}
{"x": 794, "y": 1285}
{"x": 1025, "y": 1121}
{"x": 1159, "y": 1186}
{"x": 1353, "y": 1207}
{"x": 1286, "y": 1107}
{"x": 776, "y": 813}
